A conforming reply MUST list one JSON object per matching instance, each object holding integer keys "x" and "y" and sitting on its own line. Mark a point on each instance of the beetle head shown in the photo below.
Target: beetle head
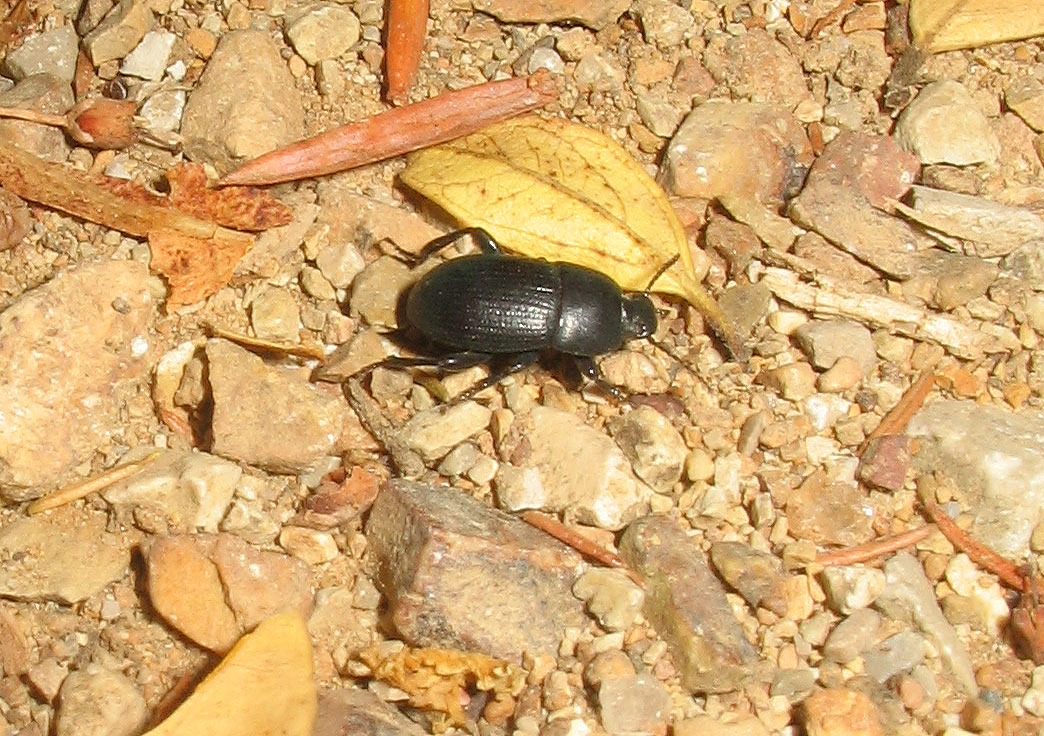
{"x": 639, "y": 316}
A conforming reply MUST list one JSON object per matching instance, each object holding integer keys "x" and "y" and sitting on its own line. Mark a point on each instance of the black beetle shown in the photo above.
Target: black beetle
{"x": 506, "y": 310}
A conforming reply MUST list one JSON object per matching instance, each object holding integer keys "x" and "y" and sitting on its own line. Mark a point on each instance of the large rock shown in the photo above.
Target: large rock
{"x": 245, "y": 103}
{"x": 67, "y": 348}
{"x": 687, "y": 605}
{"x": 996, "y": 458}
{"x": 459, "y": 574}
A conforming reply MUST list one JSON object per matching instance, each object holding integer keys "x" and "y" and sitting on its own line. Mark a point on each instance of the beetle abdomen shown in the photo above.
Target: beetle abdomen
{"x": 498, "y": 304}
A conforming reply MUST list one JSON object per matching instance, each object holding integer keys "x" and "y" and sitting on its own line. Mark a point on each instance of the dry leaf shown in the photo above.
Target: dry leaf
{"x": 263, "y": 686}
{"x": 240, "y": 208}
{"x": 943, "y": 25}
{"x": 194, "y": 268}
{"x": 563, "y": 192}
{"x": 439, "y": 679}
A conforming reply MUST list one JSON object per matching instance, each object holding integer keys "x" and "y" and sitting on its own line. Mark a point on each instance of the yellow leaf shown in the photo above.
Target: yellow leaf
{"x": 563, "y": 192}
{"x": 263, "y": 686}
{"x": 943, "y": 25}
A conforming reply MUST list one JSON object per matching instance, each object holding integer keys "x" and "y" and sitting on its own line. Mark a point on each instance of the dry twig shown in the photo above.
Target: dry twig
{"x": 407, "y": 462}
{"x": 874, "y": 549}
{"x": 398, "y": 131}
{"x": 256, "y": 343}
{"x": 77, "y": 491}
{"x": 895, "y": 421}
{"x": 583, "y": 545}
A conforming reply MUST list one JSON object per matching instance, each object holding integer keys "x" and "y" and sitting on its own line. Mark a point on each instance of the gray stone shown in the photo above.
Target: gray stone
{"x": 566, "y": 464}
{"x": 826, "y": 341}
{"x": 189, "y": 491}
{"x": 377, "y": 289}
{"x": 944, "y": 125}
{"x": 687, "y": 605}
{"x": 909, "y": 596}
{"x": 634, "y": 705}
{"x": 975, "y": 226}
{"x": 434, "y": 432}
{"x": 664, "y": 23}
{"x": 851, "y": 587}
{"x": 51, "y": 52}
{"x": 654, "y": 447}
{"x": 274, "y": 315}
{"x": 272, "y": 417}
{"x": 611, "y": 597}
{"x": 163, "y": 110}
{"x": 736, "y": 150}
{"x": 855, "y": 634}
{"x": 349, "y": 712}
{"x": 757, "y": 576}
{"x": 898, "y": 653}
{"x": 459, "y": 574}
{"x": 322, "y": 31}
{"x": 794, "y": 685}
{"x": 119, "y": 32}
{"x": 148, "y": 60}
{"x": 95, "y": 700}
{"x": 996, "y": 457}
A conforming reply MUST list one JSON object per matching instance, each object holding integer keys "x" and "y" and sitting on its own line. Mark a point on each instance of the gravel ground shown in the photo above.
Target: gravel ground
{"x": 720, "y": 483}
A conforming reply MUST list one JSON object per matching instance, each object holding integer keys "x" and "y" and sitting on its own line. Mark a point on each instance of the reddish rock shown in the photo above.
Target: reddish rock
{"x": 885, "y": 461}
{"x": 461, "y": 575}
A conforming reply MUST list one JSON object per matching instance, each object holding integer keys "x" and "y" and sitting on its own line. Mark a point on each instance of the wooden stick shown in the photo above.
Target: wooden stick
{"x": 78, "y": 490}
{"x": 583, "y": 545}
{"x": 980, "y": 554}
{"x": 398, "y": 131}
{"x": 407, "y": 24}
{"x": 874, "y": 549}
{"x": 895, "y": 421}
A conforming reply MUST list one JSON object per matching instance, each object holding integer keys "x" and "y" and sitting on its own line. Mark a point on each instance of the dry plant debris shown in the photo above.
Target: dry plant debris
{"x": 439, "y": 680}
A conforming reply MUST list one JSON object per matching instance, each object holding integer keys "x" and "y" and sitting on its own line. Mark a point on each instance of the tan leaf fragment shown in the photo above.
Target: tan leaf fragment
{"x": 264, "y": 685}
{"x": 560, "y": 191}
{"x": 438, "y": 679}
{"x": 194, "y": 267}
{"x": 944, "y": 25}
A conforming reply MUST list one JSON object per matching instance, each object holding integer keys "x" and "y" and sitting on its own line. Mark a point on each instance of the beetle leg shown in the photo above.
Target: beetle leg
{"x": 504, "y": 367}
{"x": 483, "y": 239}
{"x": 589, "y": 368}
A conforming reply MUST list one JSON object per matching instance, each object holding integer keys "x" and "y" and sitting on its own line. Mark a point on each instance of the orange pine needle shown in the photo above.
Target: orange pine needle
{"x": 874, "y": 549}
{"x": 398, "y": 131}
{"x": 895, "y": 421}
{"x": 980, "y": 554}
{"x": 583, "y": 545}
{"x": 407, "y": 24}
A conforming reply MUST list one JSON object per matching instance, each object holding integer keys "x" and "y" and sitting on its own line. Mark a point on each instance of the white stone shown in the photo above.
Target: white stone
{"x": 148, "y": 60}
